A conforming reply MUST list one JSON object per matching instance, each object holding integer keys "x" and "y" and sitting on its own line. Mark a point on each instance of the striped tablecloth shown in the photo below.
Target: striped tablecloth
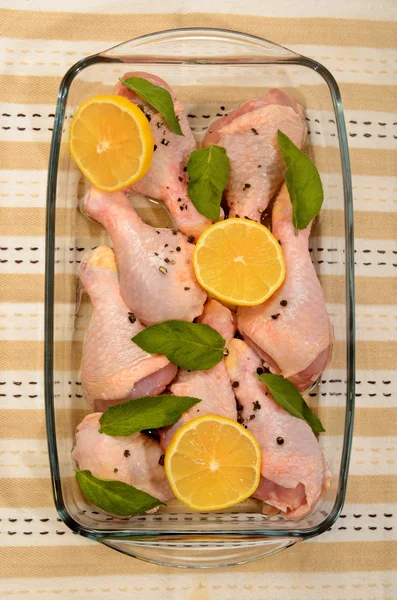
{"x": 39, "y": 556}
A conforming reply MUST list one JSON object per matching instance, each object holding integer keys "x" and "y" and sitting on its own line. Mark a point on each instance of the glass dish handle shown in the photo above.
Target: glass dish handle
{"x": 198, "y": 45}
{"x": 200, "y": 552}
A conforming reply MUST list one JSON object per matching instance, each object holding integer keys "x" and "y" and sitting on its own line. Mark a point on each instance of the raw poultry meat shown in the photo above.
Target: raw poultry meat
{"x": 249, "y": 135}
{"x": 113, "y": 367}
{"x": 275, "y": 96}
{"x": 291, "y": 331}
{"x": 213, "y": 386}
{"x": 294, "y": 472}
{"x": 220, "y": 318}
{"x": 166, "y": 179}
{"x": 156, "y": 275}
{"x": 133, "y": 459}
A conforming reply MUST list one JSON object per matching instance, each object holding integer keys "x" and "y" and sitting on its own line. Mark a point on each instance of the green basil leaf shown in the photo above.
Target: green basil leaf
{"x": 287, "y": 396}
{"x": 194, "y": 346}
{"x": 149, "y": 412}
{"x": 115, "y": 497}
{"x": 303, "y": 183}
{"x": 158, "y": 97}
{"x": 208, "y": 171}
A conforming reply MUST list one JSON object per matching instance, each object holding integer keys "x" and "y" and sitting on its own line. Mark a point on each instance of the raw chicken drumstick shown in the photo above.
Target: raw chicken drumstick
{"x": 291, "y": 331}
{"x": 213, "y": 386}
{"x": 249, "y": 135}
{"x": 133, "y": 459}
{"x": 157, "y": 281}
{"x": 294, "y": 471}
{"x": 113, "y": 367}
{"x": 166, "y": 179}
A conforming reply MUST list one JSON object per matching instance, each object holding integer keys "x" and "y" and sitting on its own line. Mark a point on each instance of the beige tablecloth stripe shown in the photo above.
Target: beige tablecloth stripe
{"x": 38, "y": 25}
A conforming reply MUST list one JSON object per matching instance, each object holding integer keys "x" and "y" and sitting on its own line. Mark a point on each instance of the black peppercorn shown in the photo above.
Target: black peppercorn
{"x": 127, "y": 453}
{"x": 280, "y": 441}
{"x": 235, "y": 384}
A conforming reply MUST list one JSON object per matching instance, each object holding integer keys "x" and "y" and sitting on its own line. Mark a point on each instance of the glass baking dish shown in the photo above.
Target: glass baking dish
{"x": 207, "y": 68}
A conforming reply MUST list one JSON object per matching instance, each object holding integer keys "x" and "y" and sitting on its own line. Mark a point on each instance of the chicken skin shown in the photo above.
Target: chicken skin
{"x": 157, "y": 281}
{"x": 249, "y": 135}
{"x": 294, "y": 472}
{"x": 212, "y": 386}
{"x": 113, "y": 367}
{"x": 166, "y": 179}
{"x": 291, "y": 331}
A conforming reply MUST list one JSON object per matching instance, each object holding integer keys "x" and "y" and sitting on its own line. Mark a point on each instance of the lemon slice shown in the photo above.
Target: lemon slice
{"x": 239, "y": 262}
{"x": 111, "y": 141}
{"x": 212, "y": 463}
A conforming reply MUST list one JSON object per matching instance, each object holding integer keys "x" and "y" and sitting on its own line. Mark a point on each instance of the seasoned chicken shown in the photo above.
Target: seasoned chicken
{"x": 294, "y": 472}
{"x": 249, "y": 135}
{"x": 219, "y": 318}
{"x": 156, "y": 275}
{"x": 113, "y": 367}
{"x": 166, "y": 179}
{"x": 213, "y": 386}
{"x": 132, "y": 459}
{"x": 291, "y": 331}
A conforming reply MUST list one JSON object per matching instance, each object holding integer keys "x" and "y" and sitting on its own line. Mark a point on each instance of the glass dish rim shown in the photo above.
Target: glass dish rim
{"x": 292, "y": 58}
